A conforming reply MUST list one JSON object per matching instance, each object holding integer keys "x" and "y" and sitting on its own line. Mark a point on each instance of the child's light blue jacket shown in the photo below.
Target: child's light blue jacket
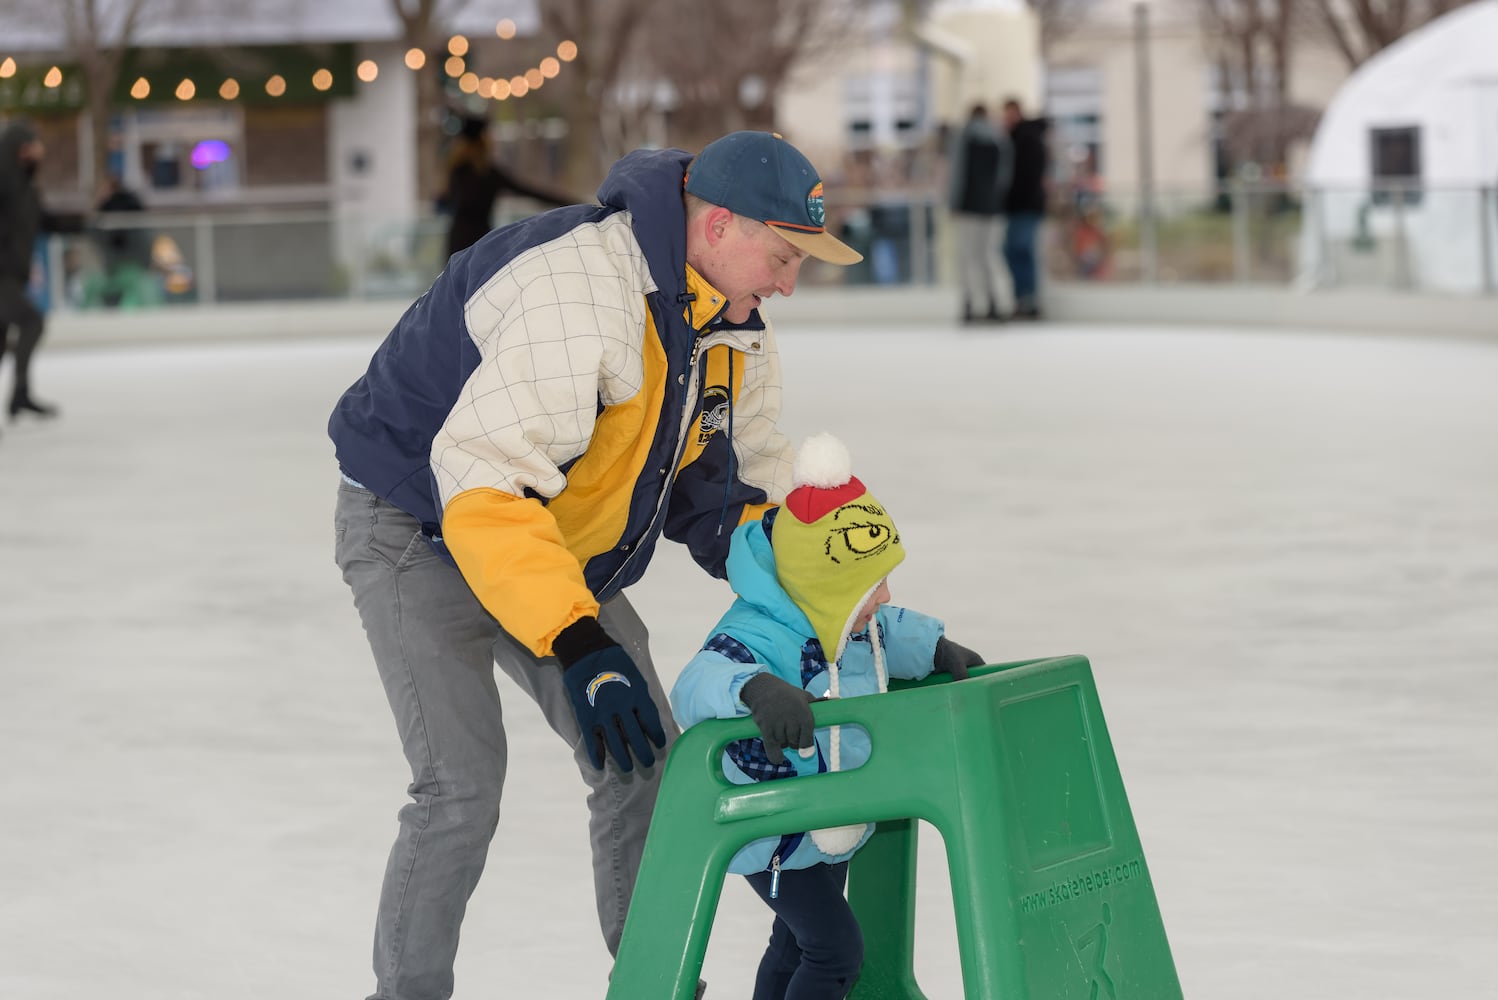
{"x": 765, "y": 631}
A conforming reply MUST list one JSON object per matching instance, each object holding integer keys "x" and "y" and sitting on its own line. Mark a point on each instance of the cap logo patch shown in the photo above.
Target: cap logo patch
{"x": 814, "y": 207}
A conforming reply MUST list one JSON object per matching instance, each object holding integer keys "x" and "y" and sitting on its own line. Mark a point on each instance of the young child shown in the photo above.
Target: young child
{"x": 810, "y": 621}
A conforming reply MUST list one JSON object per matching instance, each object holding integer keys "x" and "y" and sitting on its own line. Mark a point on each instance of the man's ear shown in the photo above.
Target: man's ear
{"x": 715, "y": 223}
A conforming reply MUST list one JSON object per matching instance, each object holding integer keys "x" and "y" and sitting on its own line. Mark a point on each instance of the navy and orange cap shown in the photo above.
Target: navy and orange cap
{"x": 761, "y": 176}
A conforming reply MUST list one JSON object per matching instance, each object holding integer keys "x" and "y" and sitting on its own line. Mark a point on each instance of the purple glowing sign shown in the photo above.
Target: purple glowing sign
{"x": 208, "y": 152}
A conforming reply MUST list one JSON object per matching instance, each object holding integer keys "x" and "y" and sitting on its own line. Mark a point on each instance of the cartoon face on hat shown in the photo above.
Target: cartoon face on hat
{"x": 761, "y": 176}
{"x": 834, "y": 542}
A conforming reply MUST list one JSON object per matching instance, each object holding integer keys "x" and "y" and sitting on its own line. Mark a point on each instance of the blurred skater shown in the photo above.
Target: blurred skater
{"x": 22, "y": 218}
{"x": 1025, "y": 207}
{"x": 475, "y": 181}
{"x": 982, "y": 161}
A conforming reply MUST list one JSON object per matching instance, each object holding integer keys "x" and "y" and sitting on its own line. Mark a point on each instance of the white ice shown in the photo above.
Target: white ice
{"x": 1279, "y": 551}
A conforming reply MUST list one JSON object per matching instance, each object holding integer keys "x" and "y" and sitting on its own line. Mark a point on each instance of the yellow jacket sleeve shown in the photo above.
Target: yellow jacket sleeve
{"x": 515, "y": 561}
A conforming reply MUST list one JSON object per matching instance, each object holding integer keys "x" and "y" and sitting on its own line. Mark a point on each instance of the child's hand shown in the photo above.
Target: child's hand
{"x": 950, "y": 658}
{"x": 783, "y": 713}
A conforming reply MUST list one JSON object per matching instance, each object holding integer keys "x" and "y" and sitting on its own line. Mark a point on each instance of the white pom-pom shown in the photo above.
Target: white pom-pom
{"x": 823, "y": 462}
{"x": 838, "y": 839}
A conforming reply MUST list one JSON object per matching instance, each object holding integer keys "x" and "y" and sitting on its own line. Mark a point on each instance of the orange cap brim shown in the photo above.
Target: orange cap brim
{"x": 822, "y": 246}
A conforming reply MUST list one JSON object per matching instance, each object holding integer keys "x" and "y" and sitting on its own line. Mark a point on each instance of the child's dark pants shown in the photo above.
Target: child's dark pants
{"x": 816, "y": 948}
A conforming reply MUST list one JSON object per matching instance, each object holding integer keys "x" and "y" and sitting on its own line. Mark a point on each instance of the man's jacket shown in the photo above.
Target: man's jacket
{"x": 561, "y": 396}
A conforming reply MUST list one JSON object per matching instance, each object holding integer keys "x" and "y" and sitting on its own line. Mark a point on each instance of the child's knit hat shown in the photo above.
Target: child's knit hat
{"x": 834, "y": 544}
{"x": 833, "y": 541}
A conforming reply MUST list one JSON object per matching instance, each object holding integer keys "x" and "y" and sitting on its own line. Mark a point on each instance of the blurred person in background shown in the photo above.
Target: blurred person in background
{"x": 125, "y": 252}
{"x": 22, "y": 219}
{"x": 475, "y": 181}
{"x": 1025, "y": 206}
{"x": 981, "y": 163}
{"x": 568, "y": 390}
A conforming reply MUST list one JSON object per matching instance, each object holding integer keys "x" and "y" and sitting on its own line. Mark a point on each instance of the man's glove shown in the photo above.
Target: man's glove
{"x": 609, "y": 697}
{"x": 950, "y": 658}
{"x": 782, "y": 712}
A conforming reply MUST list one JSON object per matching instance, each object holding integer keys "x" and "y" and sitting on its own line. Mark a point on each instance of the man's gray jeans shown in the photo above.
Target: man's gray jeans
{"x": 436, "y": 647}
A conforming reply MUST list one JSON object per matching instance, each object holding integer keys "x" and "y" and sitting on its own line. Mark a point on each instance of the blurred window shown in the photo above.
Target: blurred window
{"x": 1396, "y": 164}
{"x": 1074, "y": 103}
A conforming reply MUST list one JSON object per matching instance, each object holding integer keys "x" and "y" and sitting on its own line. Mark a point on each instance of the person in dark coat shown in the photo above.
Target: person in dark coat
{"x": 982, "y": 161}
{"x": 1025, "y": 207}
{"x": 474, "y": 181}
{"x": 22, "y": 218}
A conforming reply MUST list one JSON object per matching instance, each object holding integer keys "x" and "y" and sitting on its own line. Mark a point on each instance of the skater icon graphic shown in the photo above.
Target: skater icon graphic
{"x": 1102, "y": 983}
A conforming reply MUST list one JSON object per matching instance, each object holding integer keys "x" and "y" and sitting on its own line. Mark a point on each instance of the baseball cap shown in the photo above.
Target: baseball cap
{"x": 761, "y": 176}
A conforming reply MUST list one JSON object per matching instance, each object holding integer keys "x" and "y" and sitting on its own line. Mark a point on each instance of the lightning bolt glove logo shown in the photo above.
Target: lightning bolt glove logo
{"x": 607, "y": 677}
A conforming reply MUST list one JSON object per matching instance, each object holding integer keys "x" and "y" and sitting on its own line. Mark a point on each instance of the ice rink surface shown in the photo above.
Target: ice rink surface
{"x": 1279, "y": 551}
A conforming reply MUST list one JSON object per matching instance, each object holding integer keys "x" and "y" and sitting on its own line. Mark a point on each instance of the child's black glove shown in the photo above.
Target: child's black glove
{"x": 782, "y": 712}
{"x": 950, "y": 658}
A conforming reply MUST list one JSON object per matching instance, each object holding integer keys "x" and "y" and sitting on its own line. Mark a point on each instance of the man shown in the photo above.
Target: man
{"x": 1025, "y": 207}
{"x": 22, "y": 218}
{"x": 982, "y": 161}
{"x": 570, "y": 388}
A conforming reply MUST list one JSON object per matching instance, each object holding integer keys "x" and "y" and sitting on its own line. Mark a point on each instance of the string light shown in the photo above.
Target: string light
{"x": 368, "y": 70}
{"x": 567, "y": 50}
{"x": 276, "y": 85}
{"x": 140, "y": 89}
{"x": 534, "y": 78}
{"x": 550, "y": 68}
{"x": 53, "y": 78}
{"x": 186, "y": 90}
{"x": 454, "y": 66}
{"x": 415, "y": 59}
{"x": 457, "y": 45}
{"x": 229, "y": 89}
{"x": 323, "y": 79}
{"x": 505, "y": 29}
{"x": 7, "y": 68}
{"x": 468, "y": 83}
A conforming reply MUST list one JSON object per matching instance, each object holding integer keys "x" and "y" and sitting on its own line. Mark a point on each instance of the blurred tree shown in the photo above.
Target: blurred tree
{"x": 722, "y": 66}
{"x": 424, "y": 28}
{"x": 1361, "y": 28}
{"x": 98, "y": 34}
{"x": 1058, "y": 18}
{"x": 1251, "y": 42}
{"x": 605, "y": 33}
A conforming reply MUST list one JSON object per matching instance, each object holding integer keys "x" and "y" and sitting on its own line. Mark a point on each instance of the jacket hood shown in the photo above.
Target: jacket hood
{"x": 647, "y": 183}
{"x": 751, "y": 573}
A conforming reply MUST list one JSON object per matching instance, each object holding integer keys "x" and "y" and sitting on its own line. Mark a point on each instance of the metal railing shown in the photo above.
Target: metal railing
{"x": 1442, "y": 240}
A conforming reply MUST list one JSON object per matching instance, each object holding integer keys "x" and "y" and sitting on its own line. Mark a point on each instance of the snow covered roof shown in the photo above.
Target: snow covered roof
{"x": 1444, "y": 77}
{"x": 37, "y": 26}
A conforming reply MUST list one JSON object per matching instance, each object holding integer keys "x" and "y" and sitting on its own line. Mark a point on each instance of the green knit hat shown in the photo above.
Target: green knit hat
{"x": 833, "y": 541}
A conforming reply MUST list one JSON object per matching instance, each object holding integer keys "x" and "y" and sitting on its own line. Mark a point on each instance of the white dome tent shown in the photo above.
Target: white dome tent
{"x": 1402, "y": 172}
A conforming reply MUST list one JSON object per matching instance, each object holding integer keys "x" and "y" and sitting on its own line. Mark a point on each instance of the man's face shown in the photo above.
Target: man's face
{"x": 748, "y": 263}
